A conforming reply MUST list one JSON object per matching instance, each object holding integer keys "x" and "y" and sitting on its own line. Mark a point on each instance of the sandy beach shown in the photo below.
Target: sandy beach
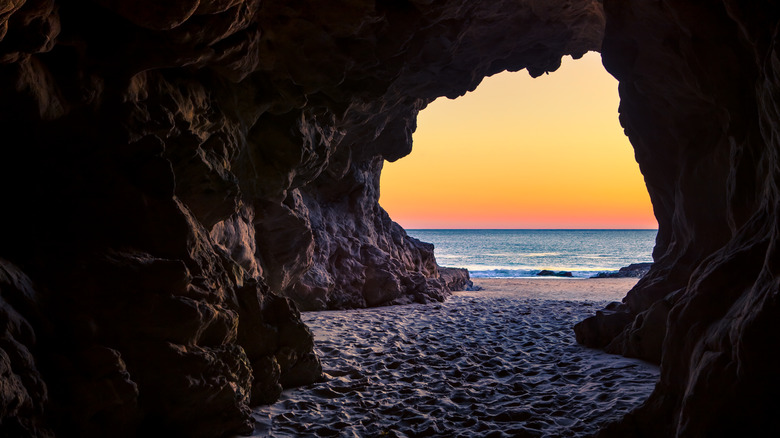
{"x": 547, "y": 288}
{"x": 498, "y": 362}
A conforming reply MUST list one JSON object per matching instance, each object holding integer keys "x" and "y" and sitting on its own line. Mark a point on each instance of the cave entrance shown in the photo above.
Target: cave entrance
{"x": 522, "y": 175}
{"x": 524, "y": 153}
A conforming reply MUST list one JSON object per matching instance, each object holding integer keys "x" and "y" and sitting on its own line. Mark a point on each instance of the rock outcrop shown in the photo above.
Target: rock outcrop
{"x": 457, "y": 279}
{"x": 699, "y": 100}
{"x": 549, "y": 273}
{"x": 634, "y": 270}
{"x": 175, "y": 174}
{"x": 23, "y": 392}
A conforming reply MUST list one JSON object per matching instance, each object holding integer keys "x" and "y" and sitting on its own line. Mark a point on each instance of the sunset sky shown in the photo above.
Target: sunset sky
{"x": 522, "y": 153}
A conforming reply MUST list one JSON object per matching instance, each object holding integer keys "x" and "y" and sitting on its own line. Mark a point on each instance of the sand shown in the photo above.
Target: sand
{"x": 498, "y": 362}
{"x": 546, "y": 288}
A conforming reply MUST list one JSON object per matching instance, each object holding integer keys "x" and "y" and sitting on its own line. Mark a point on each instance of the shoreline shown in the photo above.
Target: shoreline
{"x": 557, "y": 288}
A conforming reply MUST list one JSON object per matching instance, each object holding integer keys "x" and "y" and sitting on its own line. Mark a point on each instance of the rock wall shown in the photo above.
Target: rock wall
{"x": 171, "y": 172}
{"x": 699, "y": 101}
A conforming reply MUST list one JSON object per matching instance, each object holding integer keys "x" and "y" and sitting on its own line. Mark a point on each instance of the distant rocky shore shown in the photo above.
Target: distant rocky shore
{"x": 548, "y": 273}
{"x": 634, "y": 270}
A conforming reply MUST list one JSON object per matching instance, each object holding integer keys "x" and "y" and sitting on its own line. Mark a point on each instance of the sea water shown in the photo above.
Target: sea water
{"x": 524, "y": 253}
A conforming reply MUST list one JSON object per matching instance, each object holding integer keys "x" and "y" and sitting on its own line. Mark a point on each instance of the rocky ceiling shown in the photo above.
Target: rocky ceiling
{"x": 175, "y": 174}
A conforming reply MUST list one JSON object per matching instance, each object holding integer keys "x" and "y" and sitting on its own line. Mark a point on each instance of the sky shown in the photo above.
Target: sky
{"x": 520, "y": 152}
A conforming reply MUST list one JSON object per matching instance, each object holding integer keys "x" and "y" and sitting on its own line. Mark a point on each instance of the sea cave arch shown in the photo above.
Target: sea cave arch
{"x": 172, "y": 172}
{"x": 522, "y": 152}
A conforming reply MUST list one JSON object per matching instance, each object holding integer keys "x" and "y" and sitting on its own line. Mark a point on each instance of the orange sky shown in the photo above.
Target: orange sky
{"x": 522, "y": 153}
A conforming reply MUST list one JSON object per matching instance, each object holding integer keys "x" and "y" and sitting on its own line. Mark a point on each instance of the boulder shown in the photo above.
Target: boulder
{"x": 598, "y": 331}
{"x": 548, "y": 273}
{"x": 634, "y": 270}
{"x": 457, "y": 279}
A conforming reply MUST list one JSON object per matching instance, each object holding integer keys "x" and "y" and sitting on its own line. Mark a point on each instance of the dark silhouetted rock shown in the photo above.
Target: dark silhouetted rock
{"x": 634, "y": 270}
{"x": 600, "y": 330}
{"x": 699, "y": 100}
{"x": 548, "y": 273}
{"x": 179, "y": 178}
{"x": 23, "y": 390}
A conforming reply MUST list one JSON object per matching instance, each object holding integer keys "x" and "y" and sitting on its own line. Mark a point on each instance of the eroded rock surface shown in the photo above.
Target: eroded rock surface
{"x": 174, "y": 173}
{"x": 699, "y": 100}
{"x": 23, "y": 391}
{"x": 457, "y": 279}
{"x": 634, "y": 270}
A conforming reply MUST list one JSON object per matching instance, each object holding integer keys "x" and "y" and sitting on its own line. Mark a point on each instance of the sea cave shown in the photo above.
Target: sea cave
{"x": 179, "y": 178}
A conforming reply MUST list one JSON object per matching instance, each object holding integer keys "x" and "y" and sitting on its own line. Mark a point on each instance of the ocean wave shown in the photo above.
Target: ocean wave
{"x": 529, "y": 273}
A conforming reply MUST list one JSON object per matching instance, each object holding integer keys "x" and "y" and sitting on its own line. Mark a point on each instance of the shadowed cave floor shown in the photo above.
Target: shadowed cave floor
{"x": 480, "y": 364}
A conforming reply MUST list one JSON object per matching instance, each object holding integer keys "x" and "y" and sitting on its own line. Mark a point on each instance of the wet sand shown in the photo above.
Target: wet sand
{"x": 498, "y": 362}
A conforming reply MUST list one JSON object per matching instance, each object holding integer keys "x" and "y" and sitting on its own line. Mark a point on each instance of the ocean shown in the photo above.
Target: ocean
{"x": 524, "y": 253}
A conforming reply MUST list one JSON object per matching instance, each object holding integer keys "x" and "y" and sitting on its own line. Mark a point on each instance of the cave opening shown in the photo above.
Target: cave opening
{"x": 559, "y": 160}
{"x": 525, "y": 153}
{"x": 177, "y": 179}
{"x": 536, "y": 153}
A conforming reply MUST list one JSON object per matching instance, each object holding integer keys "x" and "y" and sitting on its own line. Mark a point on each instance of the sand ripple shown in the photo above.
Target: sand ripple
{"x": 476, "y": 365}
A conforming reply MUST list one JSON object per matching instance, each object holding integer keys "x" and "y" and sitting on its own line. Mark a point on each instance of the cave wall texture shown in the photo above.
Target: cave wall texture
{"x": 175, "y": 175}
{"x": 699, "y": 86}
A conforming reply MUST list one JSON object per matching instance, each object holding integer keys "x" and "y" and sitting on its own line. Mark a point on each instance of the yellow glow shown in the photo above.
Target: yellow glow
{"x": 522, "y": 153}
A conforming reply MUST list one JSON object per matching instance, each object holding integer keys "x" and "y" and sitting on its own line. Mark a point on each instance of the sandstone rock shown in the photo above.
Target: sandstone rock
{"x": 361, "y": 257}
{"x": 456, "y": 278}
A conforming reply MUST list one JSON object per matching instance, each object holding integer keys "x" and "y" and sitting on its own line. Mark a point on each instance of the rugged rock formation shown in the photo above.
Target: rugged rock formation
{"x": 457, "y": 279}
{"x": 634, "y": 270}
{"x": 170, "y": 171}
{"x": 548, "y": 273}
{"x": 699, "y": 88}
{"x": 23, "y": 393}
